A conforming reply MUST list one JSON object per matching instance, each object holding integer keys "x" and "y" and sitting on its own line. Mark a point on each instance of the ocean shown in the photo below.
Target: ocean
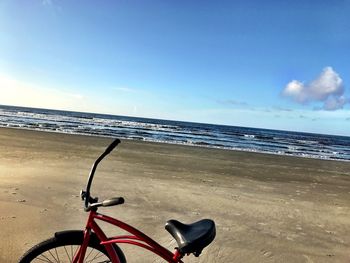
{"x": 290, "y": 143}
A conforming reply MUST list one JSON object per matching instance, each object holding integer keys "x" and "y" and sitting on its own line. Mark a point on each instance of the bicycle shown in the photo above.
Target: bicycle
{"x": 92, "y": 244}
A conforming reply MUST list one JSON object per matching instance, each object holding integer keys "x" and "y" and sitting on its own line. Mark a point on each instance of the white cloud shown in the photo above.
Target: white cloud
{"x": 327, "y": 88}
{"x": 334, "y": 103}
{"x": 296, "y": 90}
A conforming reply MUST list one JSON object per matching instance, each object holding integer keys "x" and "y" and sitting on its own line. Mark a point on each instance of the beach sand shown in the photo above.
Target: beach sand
{"x": 267, "y": 208}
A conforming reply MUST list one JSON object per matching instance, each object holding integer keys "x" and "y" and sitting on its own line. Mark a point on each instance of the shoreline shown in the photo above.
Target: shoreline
{"x": 266, "y": 207}
{"x": 184, "y": 144}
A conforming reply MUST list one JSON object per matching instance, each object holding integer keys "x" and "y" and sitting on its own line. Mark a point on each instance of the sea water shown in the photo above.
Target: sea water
{"x": 176, "y": 132}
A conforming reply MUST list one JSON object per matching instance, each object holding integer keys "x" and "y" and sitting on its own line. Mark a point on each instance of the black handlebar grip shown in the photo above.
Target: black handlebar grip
{"x": 112, "y": 146}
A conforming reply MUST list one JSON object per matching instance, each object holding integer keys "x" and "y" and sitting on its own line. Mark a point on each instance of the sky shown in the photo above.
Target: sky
{"x": 266, "y": 64}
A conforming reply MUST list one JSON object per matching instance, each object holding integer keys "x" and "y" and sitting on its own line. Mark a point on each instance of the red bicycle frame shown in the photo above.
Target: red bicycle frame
{"x": 136, "y": 238}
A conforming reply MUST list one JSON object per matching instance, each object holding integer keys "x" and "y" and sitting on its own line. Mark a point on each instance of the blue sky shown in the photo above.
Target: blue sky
{"x": 270, "y": 64}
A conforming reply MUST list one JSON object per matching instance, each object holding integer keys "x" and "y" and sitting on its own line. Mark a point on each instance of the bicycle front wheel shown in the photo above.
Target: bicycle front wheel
{"x": 64, "y": 245}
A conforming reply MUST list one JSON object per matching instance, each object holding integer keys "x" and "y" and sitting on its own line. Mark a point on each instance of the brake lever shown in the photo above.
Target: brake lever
{"x": 82, "y": 194}
{"x": 91, "y": 200}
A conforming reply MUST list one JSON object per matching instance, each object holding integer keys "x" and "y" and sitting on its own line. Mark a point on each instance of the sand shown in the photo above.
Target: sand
{"x": 267, "y": 208}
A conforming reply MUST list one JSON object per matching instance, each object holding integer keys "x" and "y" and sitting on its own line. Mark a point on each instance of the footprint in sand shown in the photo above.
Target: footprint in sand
{"x": 320, "y": 225}
{"x": 14, "y": 190}
{"x": 292, "y": 237}
{"x": 266, "y": 253}
{"x": 7, "y": 217}
{"x": 235, "y": 197}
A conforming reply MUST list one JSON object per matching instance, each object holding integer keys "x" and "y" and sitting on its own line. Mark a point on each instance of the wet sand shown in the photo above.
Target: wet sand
{"x": 267, "y": 208}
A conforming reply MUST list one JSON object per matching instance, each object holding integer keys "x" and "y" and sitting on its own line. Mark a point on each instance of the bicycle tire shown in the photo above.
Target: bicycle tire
{"x": 63, "y": 242}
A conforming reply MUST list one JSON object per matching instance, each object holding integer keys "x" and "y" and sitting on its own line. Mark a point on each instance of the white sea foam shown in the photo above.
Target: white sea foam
{"x": 202, "y": 135}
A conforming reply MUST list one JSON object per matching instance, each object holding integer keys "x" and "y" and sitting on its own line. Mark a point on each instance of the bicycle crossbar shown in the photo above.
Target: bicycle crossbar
{"x": 137, "y": 238}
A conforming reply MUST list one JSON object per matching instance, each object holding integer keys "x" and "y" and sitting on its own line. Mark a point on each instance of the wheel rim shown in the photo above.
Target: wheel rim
{"x": 65, "y": 254}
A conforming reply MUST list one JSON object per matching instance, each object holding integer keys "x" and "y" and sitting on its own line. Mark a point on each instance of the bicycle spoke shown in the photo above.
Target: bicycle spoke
{"x": 71, "y": 251}
{"x": 70, "y": 259}
{"x": 53, "y": 256}
{"x": 58, "y": 257}
{"x": 67, "y": 253}
{"x": 86, "y": 258}
{"x": 44, "y": 259}
{"x": 97, "y": 256}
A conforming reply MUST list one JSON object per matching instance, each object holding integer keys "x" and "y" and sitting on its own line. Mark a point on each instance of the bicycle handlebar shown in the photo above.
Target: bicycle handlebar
{"x": 86, "y": 195}
{"x": 112, "y": 146}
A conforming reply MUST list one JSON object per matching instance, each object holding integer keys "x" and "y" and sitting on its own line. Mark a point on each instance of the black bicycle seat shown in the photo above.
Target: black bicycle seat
{"x": 192, "y": 238}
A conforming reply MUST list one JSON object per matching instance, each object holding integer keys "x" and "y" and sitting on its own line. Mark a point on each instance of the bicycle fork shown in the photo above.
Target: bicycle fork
{"x": 80, "y": 255}
{"x": 91, "y": 225}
